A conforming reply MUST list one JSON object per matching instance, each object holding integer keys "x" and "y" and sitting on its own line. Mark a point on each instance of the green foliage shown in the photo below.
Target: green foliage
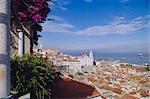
{"x": 147, "y": 67}
{"x": 94, "y": 63}
{"x": 32, "y": 74}
{"x": 79, "y": 73}
{"x": 126, "y": 65}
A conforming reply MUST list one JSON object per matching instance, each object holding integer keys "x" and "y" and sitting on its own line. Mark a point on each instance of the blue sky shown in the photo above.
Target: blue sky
{"x": 103, "y": 25}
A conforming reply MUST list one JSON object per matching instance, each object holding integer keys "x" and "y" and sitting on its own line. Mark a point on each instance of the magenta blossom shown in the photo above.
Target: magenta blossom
{"x": 36, "y": 10}
{"x": 36, "y": 18}
{"x": 22, "y": 14}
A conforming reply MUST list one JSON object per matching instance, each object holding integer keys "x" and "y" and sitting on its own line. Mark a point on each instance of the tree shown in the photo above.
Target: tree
{"x": 4, "y": 48}
{"x": 147, "y": 67}
{"x": 94, "y": 63}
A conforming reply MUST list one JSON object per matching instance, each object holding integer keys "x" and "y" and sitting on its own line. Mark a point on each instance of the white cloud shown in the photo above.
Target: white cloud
{"x": 62, "y": 4}
{"x": 123, "y": 1}
{"x": 88, "y": 0}
{"x": 59, "y": 25}
{"x": 118, "y": 26}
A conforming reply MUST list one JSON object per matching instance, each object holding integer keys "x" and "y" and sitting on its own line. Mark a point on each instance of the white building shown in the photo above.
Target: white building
{"x": 74, "y": 63}
{"x": 86, "y": 60}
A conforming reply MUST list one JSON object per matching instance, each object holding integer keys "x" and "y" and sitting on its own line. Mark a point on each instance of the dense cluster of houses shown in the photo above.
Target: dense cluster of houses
{"x": 109, "y": 78}
{"x": 120, "y": 82}
{"x": 65, "y": 62}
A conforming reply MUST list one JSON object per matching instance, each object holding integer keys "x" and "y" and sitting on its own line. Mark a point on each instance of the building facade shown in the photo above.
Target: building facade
{"x": 75, "y": 63}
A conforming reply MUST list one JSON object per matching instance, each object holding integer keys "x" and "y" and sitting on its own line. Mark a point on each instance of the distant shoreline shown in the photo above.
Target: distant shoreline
{"x": 123, "y": 57}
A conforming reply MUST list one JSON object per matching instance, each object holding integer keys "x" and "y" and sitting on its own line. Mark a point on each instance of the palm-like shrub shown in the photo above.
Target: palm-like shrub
{"x": 32, "y": 74}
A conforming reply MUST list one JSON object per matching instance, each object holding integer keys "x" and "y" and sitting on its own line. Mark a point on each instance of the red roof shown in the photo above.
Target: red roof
{"x": 128, "y": 96}
{"x": 138, "y": 69}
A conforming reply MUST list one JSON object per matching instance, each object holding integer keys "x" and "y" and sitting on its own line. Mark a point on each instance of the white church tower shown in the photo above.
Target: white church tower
{"x": 91, "y": 56}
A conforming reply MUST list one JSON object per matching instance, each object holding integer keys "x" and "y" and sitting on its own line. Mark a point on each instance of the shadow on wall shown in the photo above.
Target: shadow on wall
{"x": 3, "y": 58}
{"x": 3, "y": 18}
{"x": 71, "y": 89}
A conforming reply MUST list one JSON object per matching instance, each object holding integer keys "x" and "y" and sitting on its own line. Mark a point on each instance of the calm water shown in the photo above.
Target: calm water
{"x": 133, "y": 58}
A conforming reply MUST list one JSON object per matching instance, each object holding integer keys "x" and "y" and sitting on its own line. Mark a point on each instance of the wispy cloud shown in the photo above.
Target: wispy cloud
{"x": 118, "y": 26}
{"x": 59, "y": 4}
{"x": 123, "y": 1}
{"x": 59, "y": 25}
{"x": 88, "y": 0}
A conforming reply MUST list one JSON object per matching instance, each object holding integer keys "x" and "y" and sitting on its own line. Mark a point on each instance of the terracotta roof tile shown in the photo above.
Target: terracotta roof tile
{"x": 115, "y": 90}
{"x": 128, "y": 96}
{"x": 138, "y": 69}
{"x": 144, "y": 93}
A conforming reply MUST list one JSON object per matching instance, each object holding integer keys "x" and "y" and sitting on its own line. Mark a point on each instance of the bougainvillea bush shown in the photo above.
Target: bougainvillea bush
{"x": 34, "y": 11}
{"x": 29, "y": 14}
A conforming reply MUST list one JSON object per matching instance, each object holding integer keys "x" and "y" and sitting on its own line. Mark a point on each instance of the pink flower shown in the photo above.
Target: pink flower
{"x": 36, "y": 18}
{"x": 22, "y": 14}
{"x": 34, "y": 11}
{"x": 16, "y": 2}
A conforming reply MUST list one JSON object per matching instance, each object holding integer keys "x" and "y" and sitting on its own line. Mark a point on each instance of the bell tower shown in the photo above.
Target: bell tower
{"x": 91, "y": 54}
